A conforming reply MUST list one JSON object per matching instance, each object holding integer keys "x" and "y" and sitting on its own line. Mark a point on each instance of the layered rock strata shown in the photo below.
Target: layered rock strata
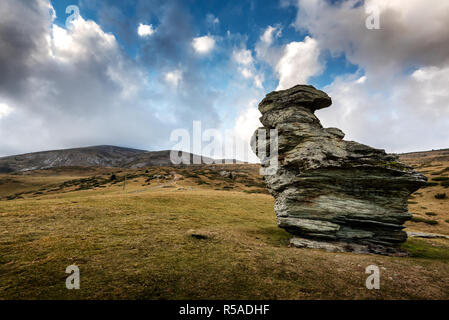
{"x": 328, "y": 189}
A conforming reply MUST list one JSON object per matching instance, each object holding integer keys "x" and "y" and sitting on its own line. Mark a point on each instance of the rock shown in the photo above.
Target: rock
{"x": 311, "y": 244}
{"x": 348, "y": 247}
{"x": 199, "y": 234}
{"x": 226, "y": 174}
{"x": 329, "y": 189}
{"x": 426, "y": 235}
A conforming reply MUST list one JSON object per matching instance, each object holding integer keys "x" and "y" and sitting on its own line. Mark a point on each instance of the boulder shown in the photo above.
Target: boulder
{"x": 327, "y": 188}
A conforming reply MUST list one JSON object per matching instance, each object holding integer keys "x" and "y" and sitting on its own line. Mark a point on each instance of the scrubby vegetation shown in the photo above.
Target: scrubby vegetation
{"x": 431, "y": 184}
{"x": 419, "y": 219}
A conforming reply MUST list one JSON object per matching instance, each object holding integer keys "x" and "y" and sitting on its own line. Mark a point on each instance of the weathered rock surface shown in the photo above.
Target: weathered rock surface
{"x": 332, "y": 246}
{"x": 329, "y": 189}
{"x": 412, "y": 234}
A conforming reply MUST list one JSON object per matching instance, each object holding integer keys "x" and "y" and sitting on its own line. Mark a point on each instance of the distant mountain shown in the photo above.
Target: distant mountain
{"x": 98, "y": 156}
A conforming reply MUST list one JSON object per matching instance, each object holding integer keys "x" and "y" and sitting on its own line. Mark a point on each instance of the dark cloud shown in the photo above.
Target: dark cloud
{"x": 411, "y": 33}
{"x": 171, "y": 43}
{"x": 81, "y": 88}
{"x": 23, "y": 26}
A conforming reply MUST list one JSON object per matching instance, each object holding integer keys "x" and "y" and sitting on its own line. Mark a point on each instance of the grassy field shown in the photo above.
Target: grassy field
{"x": 190, "y": 234}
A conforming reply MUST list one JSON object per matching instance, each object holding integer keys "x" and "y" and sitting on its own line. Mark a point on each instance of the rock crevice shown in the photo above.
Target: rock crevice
{"x": 330, "y": 189}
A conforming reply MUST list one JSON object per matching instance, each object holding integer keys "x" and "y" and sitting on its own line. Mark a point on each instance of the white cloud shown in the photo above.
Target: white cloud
{"x": 145, "y": 30}
{"x": 384, "y": 104}
{"x": 298, "y": 63}
{"x": 412, "y": 115}
{"x": 5, "y": 110}
{"x": 248, "y": 121}
{"x": 174, "y": 77}
{"x": 265, "y": 50}
{"x": 78, "y": 42}
{"x": 258, "y": 80}
{"x": 245, "y": 61}
{"x": 294, "y": 62}
{"x": 204, "y": 44}
{"x": 243, "y": 56}
{"x": 246, "y": 124}
{"x": 269, "y": 34}
{"x": 407, "y": 30}
{"x": 246, "y": 73}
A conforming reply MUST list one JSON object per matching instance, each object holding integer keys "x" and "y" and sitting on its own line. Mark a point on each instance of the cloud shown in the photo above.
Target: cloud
{"x": 173, "y": 77}
{"x": 294, "y": 63}
{"x": 298, "y": 63}
{"x": 20, "y": 44}
{"x": 265, "y": 51}
{"x": 78, "y": 44}
{"x": 269, "y": 34}
{"x": 78, "y": 87}
{"x": 412, "y": 115}
{"x": 243, "y": 57}
{"x": 246, "y": 123}
{"x": 407, "y": 30}
{"x": 204, "y": 44}
{"x": 398, "y": 98}
{"x": 145, "y": 30}
{"x": 5, "y": 110}
{"x": 246, "y": 65}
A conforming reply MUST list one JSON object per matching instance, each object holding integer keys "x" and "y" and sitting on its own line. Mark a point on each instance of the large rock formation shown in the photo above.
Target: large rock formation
{"x": 335, "y": 194}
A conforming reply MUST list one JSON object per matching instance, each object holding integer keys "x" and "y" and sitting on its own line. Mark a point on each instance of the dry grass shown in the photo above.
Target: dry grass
{"x": 137, "y": 244}
{"x": 424, "y": 202}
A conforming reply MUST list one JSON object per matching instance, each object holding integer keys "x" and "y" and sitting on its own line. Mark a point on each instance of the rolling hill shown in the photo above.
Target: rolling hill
{"x": 96, "y": 156}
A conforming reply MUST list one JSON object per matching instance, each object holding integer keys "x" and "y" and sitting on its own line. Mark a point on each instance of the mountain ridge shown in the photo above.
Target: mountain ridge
{"x": 124, "y": 157}
{"x": 93, "y": 156}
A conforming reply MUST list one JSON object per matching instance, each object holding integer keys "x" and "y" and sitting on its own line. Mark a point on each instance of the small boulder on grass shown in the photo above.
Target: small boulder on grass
{"x": 199, "y": 235}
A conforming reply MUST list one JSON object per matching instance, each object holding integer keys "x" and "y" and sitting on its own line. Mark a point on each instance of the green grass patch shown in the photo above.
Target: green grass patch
{"x": 422, "y": 249}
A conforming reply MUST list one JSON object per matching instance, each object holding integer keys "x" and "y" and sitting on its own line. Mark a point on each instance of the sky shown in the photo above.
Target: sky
{"x": 130, "y": 73}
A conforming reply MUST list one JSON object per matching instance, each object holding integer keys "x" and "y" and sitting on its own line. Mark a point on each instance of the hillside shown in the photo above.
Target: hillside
{"x": 197, "y": 232}
{"x": 120, "y": 157}
{"x": 200, "y": 232}
{"x": 97, "y": 156}
{"x": 425, "y": 157}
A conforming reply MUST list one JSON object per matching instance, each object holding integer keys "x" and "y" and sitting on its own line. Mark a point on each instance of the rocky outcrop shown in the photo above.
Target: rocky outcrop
{"x": 328, "y": 189}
